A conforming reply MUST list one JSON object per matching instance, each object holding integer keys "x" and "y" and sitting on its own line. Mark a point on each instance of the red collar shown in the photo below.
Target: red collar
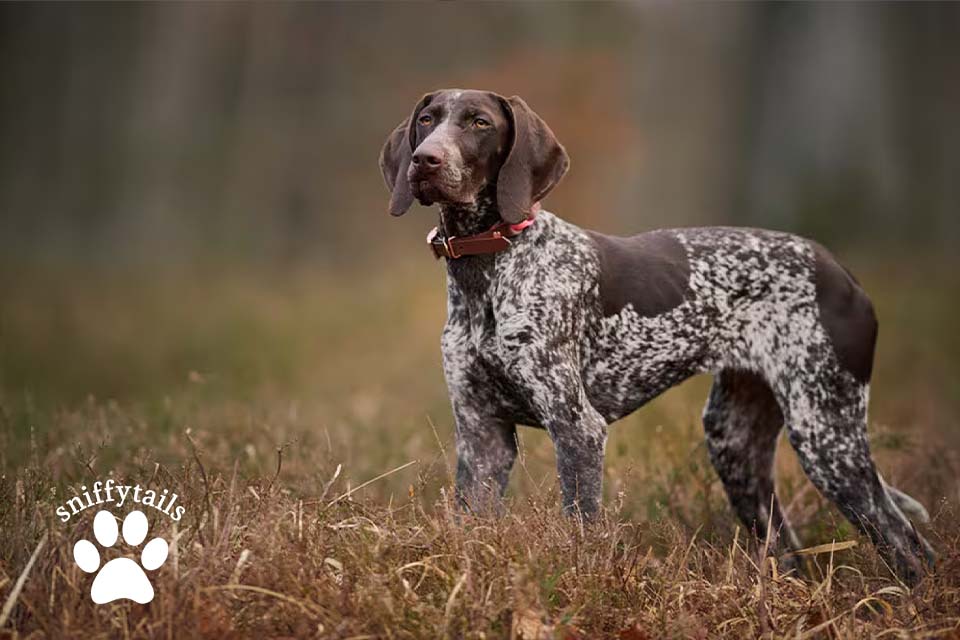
{"x": 495, "y": 239}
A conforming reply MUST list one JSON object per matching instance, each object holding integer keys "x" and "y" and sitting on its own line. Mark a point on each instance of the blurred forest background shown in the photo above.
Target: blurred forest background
{"x": 192, "y": 220}
{"x": 190, "y": 132}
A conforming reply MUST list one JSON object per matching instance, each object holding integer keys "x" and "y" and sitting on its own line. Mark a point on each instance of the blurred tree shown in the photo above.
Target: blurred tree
{"x": 170, "y": 133}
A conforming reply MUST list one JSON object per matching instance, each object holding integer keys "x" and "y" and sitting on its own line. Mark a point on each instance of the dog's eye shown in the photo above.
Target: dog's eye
{"x": 480, "y": 123}
{"x": 425, "y": 120}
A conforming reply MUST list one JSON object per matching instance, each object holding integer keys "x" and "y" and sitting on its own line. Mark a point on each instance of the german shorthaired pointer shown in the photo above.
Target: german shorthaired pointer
{"x": 569, "y": 330}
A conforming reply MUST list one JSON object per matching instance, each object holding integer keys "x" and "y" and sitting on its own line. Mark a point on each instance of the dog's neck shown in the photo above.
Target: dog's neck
{"x": 471, "y": 274}
{"x": 458, "y": 220}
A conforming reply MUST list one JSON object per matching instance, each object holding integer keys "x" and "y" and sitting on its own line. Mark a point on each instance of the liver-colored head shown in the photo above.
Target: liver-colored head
{"x": 456, "y": 143}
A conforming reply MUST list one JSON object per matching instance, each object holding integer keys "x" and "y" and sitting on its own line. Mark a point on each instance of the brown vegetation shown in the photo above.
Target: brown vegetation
{"x": 271, "y": 412}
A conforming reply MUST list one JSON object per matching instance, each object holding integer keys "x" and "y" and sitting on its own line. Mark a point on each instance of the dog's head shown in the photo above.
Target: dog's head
{"x": 456, "y": 143}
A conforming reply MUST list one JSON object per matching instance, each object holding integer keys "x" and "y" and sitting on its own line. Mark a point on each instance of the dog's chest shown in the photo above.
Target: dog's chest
{"x": 470, "y": 312}
{"x": 479, "y": 326}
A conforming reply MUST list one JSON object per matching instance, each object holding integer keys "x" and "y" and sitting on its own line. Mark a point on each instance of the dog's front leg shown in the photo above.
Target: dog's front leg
{"x": 486, "y": 451}
{"x": 551, "y": 379}
{"x": 485, "y": 439}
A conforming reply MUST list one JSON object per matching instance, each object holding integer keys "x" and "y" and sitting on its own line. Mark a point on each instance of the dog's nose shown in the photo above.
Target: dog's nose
{"x": 428, "y": 159}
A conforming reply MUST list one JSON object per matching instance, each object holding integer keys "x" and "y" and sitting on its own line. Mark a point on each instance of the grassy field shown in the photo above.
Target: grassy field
{"x": 303, "y": 421}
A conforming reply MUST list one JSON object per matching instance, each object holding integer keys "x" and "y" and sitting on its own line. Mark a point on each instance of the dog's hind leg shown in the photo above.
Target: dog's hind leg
{"x": 742, "y": 421}
{"x": 907, "y": 504}
{"x": 827, "y": 427}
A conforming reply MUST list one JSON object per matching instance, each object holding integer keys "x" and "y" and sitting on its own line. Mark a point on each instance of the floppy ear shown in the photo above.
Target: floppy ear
{"x": 535, "y": 163}
{"x": 395, "y": 160}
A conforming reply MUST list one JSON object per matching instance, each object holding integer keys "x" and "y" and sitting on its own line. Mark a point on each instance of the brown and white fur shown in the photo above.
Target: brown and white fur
{"x": 569, "y": 330}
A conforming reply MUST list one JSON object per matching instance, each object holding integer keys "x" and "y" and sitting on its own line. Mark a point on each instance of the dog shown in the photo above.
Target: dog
{"x": 561, "y": 328}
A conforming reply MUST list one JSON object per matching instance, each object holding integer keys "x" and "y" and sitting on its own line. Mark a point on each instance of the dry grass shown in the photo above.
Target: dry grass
{"x": 267, "y": 408}
{"x": 264, "y": 561}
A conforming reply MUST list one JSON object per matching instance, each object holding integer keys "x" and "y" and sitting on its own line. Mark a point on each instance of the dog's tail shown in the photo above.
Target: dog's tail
{"x": 910, "y": 507}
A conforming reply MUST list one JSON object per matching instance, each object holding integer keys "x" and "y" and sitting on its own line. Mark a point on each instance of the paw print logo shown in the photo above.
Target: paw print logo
{"x": 121, "y": 577}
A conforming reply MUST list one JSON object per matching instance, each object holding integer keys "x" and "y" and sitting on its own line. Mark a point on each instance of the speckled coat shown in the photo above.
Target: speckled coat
{"x": 540, "y": 335}
{"x": 570, "y": 330}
